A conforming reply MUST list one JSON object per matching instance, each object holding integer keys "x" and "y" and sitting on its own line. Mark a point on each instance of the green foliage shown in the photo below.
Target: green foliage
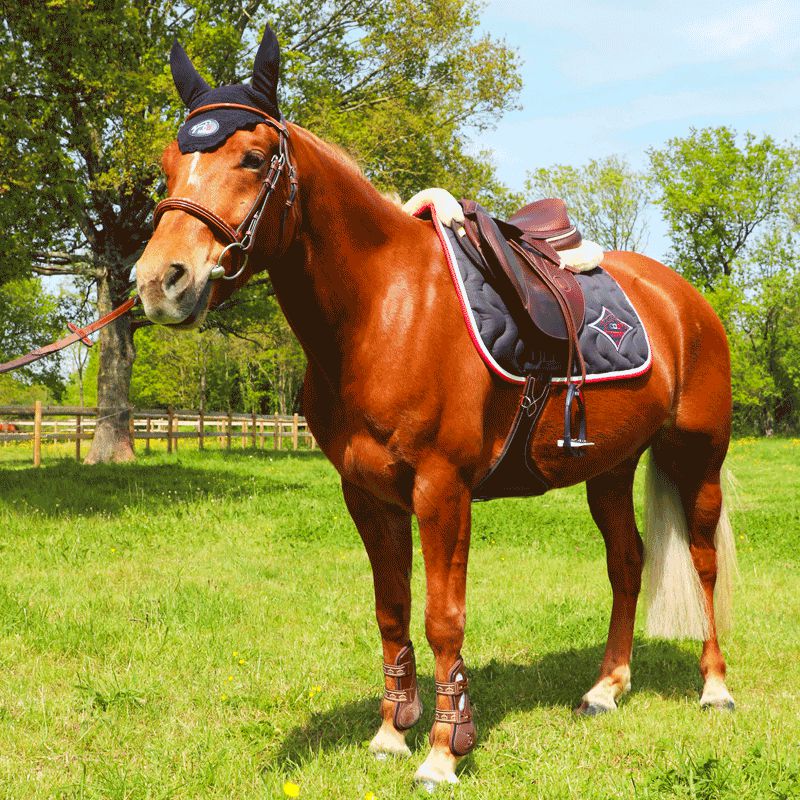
{"x": 29, "y": 317}
{"x": 715, "y": 193}
{"x": 259, "y": 367}
{"x": 606, "y": 197}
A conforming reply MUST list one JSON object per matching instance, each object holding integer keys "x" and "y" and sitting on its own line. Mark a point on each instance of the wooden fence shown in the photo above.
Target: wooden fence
{"x": 40, "y": 423}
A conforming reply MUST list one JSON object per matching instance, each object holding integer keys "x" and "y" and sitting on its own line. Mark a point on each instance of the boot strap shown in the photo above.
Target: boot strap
{"x": 454, "y": 717}
{"x": 454, "y": 689}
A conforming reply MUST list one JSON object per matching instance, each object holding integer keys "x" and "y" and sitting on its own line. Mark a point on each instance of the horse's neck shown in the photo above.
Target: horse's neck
{"x": 343, "y": 258}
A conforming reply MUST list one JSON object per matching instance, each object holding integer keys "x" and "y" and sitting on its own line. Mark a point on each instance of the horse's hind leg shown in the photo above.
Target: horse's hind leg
{"x": 703, "y": 516}
{"x": 611, "y": 503}
{"x": 386, "y": 532}
{"x": 692, "y": 462}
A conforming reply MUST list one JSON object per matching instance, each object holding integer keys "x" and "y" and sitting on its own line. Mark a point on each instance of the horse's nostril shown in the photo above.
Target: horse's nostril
{"x": 174, "y": 274}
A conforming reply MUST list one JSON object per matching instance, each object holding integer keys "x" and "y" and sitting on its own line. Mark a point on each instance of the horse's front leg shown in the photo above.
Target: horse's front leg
{"x": 442, "y": 505}
{"x": 386, "y": 532}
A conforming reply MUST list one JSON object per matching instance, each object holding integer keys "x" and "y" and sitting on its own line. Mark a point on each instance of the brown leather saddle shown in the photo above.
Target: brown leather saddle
{"x": 522, "y": 253}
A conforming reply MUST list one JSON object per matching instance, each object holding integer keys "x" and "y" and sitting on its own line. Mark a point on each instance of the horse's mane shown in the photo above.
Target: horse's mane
{"x": 348, "y": 160}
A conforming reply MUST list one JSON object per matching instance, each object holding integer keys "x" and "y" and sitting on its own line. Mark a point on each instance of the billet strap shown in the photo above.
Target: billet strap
{"x": 77, "y": 335}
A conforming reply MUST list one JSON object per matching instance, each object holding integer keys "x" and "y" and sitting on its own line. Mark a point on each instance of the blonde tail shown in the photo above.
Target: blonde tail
{"x": 674, "y": 597}
{"x": 727, "y": 568}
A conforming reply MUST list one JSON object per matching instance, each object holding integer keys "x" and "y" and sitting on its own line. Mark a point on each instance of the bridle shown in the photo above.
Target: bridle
{"x": 242, "y": 238}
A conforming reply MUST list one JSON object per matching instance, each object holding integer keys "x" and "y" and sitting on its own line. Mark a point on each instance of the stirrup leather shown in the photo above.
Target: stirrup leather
{"x": 408, "y": 707}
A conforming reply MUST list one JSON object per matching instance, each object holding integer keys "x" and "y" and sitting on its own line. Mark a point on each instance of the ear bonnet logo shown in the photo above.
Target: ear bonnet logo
{"x": 205, "y": 128}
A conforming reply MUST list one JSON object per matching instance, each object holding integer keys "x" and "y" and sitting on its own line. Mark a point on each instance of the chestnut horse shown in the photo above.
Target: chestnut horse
{"x": 405, "y": 409}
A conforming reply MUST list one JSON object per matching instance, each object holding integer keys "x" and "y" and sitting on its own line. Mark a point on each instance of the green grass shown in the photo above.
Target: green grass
{"x": 163, "y": 627}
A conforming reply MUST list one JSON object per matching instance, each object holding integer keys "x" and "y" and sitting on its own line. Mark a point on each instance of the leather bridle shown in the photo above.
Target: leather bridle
{"x": 240, "y": 240}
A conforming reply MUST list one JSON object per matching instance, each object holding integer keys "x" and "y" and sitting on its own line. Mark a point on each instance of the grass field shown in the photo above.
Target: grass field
{"x": 201, "y": 626}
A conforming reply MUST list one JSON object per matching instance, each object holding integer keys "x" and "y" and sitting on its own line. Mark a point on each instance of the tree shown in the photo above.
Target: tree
{"x": 607, "y": 199}
{"x": 28, "y": 316}
{"x": 88, "y": 106}
{"x": 715, "y": 193}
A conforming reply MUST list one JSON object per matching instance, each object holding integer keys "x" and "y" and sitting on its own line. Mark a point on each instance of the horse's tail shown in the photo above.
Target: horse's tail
{"x": 676, "y": 607}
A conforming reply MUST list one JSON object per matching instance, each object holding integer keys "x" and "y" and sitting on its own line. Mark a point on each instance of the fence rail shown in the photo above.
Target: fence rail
{"x": 40, "y": 423}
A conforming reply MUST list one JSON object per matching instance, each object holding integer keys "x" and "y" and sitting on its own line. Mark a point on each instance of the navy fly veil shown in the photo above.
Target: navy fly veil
{"x": 208, "y": 130}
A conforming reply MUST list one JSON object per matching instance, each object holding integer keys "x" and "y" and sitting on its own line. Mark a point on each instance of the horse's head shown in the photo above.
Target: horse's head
{"x": 230, "y": 186}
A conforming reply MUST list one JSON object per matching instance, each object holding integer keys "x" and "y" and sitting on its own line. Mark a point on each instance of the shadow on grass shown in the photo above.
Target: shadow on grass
{"x": 557, "y": 680}
{"x": 65, "y": 487}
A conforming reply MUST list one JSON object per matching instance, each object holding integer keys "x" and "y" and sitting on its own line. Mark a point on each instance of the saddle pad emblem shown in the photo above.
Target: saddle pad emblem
{"x": 205, "y": 128}
{"x": 612, "y": 327}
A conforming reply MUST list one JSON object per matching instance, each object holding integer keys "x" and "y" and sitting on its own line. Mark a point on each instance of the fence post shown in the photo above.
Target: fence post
{"x": 230, "y": 431}
{"x": 147, "y": 438}
{"x": 295, "y": 431}
{"x": 37, "y": 433}
{"x": 169, "y": 429}
{"x": 201, "y": 430}
{"x": 78, "y": 437}
{"x": 261, "y": 432}
{"x": 253, "y": 429}
{"x": 244, "y": 433}
{"x": 132, "y": 429}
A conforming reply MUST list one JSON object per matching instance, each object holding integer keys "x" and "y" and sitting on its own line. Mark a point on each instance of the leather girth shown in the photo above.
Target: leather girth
{"x": 513, "y": 474}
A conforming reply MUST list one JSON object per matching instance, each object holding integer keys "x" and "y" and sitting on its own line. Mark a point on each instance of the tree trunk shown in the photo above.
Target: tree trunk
{"x": 112, "y": 440}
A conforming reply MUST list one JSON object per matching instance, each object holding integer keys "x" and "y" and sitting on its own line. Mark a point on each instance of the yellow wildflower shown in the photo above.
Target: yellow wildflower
{"x": 370, "y": 796}
{"x": 291, "y": 789}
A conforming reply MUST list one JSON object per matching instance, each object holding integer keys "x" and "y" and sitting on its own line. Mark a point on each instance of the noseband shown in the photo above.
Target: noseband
{"x": 241, "y": 239}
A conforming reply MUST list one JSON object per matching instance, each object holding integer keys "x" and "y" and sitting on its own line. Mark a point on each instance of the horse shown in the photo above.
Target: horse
{"x": 8, "y": 427}
{"x": 407, "y": 412}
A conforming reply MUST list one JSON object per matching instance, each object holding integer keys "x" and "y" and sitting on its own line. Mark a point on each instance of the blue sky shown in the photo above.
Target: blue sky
{"x": 619, "y": 77}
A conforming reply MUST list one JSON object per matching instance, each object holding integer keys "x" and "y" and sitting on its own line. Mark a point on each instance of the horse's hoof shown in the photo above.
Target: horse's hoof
{"x": 716, "y": 696}
{"x": 438, "y": 767}
{"x": 388, "y": 741}
{"x": 592, "y": 709}
{"x": 719, "y": 705}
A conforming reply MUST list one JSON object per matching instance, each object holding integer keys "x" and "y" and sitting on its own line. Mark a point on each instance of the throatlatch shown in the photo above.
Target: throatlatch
{"x": 401, "y": 688}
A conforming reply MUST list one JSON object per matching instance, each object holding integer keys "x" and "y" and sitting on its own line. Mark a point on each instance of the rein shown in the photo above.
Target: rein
{"x": 77, "y": 335}
{"x": 242, "y": 238}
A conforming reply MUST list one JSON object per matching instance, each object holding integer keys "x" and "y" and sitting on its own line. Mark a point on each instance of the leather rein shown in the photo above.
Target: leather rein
{"x": 241, "y": 239}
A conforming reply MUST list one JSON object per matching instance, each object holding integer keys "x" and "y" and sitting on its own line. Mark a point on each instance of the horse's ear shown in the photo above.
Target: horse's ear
{"x": 187, "y": 79}
{"x": 266, "y": 67}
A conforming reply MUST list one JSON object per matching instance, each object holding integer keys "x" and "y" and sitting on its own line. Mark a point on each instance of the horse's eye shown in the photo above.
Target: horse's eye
{"x": 253, "y": 160}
